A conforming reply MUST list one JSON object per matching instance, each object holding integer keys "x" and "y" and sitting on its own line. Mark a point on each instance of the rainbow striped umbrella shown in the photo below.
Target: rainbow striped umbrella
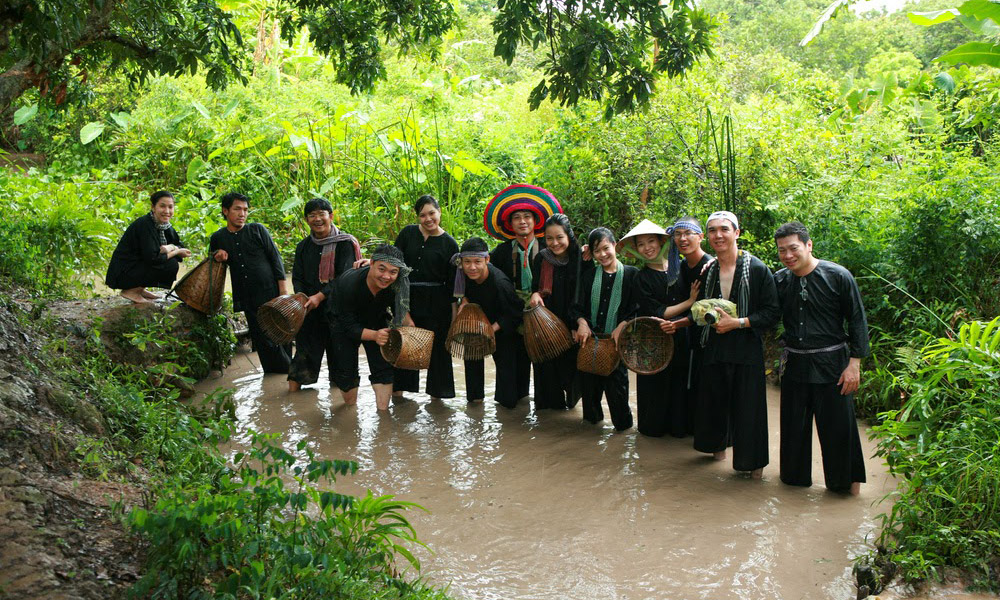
{"x": 519, "y": 196}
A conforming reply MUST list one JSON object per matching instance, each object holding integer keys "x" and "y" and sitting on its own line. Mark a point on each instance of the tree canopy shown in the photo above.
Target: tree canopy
{"x": 607, "y": 50}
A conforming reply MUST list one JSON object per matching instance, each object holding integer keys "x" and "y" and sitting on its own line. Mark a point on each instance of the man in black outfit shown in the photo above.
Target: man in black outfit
{"x": 256, "y": 272}
{"x": 823, "y": 365}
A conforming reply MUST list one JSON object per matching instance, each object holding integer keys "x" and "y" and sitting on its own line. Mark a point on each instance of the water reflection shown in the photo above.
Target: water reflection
{"x": 544, "y": 505}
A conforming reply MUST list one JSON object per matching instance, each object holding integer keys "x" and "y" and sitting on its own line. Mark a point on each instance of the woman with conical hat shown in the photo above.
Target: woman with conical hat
{"x": 516, "y": 216}
{"x": 661, "y": 403}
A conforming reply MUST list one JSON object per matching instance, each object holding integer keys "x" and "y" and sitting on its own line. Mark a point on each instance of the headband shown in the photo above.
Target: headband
{"x": 456, "y": 259}
{"x": 401, "y": 286}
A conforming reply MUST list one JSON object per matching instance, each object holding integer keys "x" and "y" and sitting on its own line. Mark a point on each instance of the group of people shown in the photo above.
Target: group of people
{"x": 714, "y": 387}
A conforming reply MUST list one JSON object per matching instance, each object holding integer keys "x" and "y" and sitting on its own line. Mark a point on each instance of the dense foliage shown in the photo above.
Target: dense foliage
{"x": 890, "y": 159}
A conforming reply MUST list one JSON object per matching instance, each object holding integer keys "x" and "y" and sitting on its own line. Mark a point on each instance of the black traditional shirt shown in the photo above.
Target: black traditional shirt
{"x": 497, "y": 298}
{"x": 628, "y": 308}
{"x": 254, "y": 264}
{"x": 564, "y": 286}
{"x": 744, "y": 346}
{"x": 305, "y": 269}
{"x": 140, "y": 245}
{"x": 504, "y": 257}
{"x": 428, "y": 258}
{"x": 815, "y": 309}
{"x": 354, "y": 308}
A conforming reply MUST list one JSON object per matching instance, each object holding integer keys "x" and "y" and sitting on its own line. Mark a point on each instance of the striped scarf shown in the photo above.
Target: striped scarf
{"x": 523, "y": 256}
{"x": 328, "y": 253}
{"x": 743, "y": 288}
{"x": 614, "y": 302}
{"x": 161, "y": 229}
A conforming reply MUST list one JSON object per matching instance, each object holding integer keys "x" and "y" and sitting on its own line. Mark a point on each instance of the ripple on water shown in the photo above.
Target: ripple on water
{"x": 526, "y": 504}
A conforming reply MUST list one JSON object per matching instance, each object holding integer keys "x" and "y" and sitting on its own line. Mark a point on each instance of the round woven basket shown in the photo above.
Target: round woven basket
{"x": 597, "y": 355}
{"x": 281, "y": 318}
{"x": 409, "y": 348}
{"x": 545, "y": 335}
{"x": 471, "y": 335}
{"x": 644, "y": 347}
{"x": 201, "y": 288}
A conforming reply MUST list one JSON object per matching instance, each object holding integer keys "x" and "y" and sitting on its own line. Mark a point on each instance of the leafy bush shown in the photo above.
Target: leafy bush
{"x": 244, "y": 534}
{"x": 942, "y": 443}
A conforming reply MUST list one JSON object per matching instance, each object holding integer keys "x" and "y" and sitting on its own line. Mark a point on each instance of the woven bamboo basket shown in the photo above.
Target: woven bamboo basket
{"x": 201, "y": 288}
{"x": 471, "y": 335}
{"x": 545, "y": 335}
{"x": 281, "y": 318}
{"x": 644, "y": 347}
{"x": 409, "y": 348}
{"x": 598, "y": 355}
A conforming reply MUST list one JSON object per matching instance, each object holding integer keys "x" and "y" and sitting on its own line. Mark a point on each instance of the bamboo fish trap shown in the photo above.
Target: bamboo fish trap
{"x": 471, "y": 335}
{"x": 281, "y": 318}
{"x": 598, "y": 355}
{"x": 644, "y": 347}
{"x": 545, "y": 335}
{"x": 201, "y": 288}
{"x": 409, "y": 348}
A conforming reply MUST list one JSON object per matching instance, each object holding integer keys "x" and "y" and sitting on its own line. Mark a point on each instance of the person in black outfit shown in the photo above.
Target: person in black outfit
{"x": 323, "y": 256}
{"x": 661, "y": 405}
{"x": 366, "y": 302}
{"x": 148, "y": 254}
{"x": 732, "y": 408}
{"x": 480, "y": 282}
{"x": 256, "y": 272}
{"x": 427, "y": 249}
{"x": 823, "y": 365}
{"x": 513, "y": 259}
{"x": 605, "y": 303}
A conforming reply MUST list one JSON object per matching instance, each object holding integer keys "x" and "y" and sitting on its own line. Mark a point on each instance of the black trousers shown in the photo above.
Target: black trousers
{"x": 433, "y": 313}
{"x": 345, "y": 373}
{"x": 657, "y": 408}
{"x": 554, "y": 381}
{"x": 732, "y": 411}
{"x": 614, "y": 387}
{"x": 506, "y": 386}
{"x": 839, "y": 440}
{"x": 274, "y": 358}
{"x": 312, "y": 341}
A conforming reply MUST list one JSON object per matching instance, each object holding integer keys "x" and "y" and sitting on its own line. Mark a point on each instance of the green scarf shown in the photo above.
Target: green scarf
{"x": 523, "y": 259}
{"x": 613, "y": 303}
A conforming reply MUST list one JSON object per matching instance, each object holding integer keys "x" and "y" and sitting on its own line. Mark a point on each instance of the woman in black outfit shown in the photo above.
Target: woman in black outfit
{"x": 149, "y": 253}
{"x": 555, "y": 276}
{"x": 427, "y": 249}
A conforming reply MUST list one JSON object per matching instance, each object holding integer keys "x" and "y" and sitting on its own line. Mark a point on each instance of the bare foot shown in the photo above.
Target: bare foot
{"x": 294, "y": 386}
{"x": 134, "y": 295}
{"x": 148, "y": 294}
{"x": 433, "y": 399}
{"x": 720, "y": 455}
{"x": 475, "y": 400}
{"x": 856, "y": 488}
{"x": 757, "y": 473}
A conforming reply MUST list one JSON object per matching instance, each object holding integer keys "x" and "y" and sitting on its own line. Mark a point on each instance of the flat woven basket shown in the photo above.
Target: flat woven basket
{"x": 409, "y": 348}
{"x": 471, "y": 335}
{"x": 545, "y": 335}
{"x": 598, "y": 355}
{"x": 281, "y": 318}
{"x": 201, "y": 288}
{"x": 644, "y": 347}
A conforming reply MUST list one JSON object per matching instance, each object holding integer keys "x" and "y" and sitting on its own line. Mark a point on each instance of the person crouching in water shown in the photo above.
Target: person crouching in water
{"x": 366, "y": 302}
{"x": 479, "y": 282}
{"x": 661, "y": 398}
{"x": 555, "y": 277}
{"x": 606, "y": 302}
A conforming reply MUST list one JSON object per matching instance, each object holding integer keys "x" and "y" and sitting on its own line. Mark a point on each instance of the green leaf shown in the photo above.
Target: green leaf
{"x": 973, "y": 53}
{"x": 831, "y": 11}
{"x": 198, "y": 106}
{"x": 292, "y": 202}
{"x": 122, "y": 119}
{"x": 981, "y": 9}
{"x": 90, "y": 132}
{"x": 195, "y": 168}
{"x": 933, "y": 17}
{"x": 25, "y": 114}
{"x": 230, "y": 108}
{"x": 945, "y": 82}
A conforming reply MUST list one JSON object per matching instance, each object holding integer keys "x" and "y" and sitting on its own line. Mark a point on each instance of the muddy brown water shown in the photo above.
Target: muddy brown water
{"x": 543, "y": 505}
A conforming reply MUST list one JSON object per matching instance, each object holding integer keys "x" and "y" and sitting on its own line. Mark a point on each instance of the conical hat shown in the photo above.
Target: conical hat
{"x": 645, "y": 227}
